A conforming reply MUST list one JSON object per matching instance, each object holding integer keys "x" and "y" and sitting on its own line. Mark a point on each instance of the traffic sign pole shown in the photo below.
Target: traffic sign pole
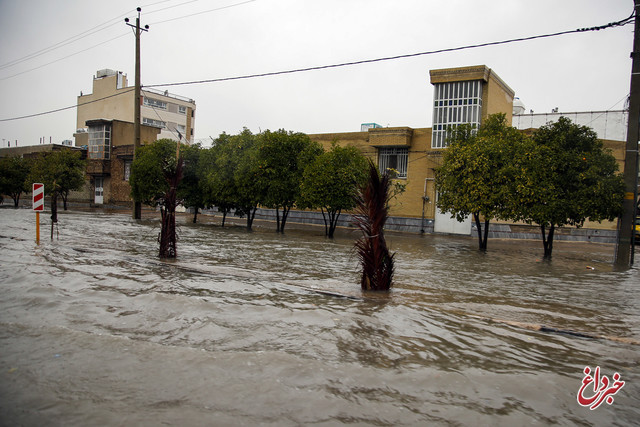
{"x": 38, "y": 205}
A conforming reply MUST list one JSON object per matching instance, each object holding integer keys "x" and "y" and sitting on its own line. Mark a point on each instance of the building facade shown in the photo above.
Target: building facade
{"x": 112, "y": 99}
{"x": 109, "y": 157}
{"x": 461, "y": 95}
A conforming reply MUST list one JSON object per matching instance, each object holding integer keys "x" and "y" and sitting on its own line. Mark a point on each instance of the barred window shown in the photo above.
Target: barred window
{"x": 455, "y": 103}
{"x": 395, "y": 158}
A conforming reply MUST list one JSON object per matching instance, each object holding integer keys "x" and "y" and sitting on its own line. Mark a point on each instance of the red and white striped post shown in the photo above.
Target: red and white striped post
{"x": 38, "y": 206}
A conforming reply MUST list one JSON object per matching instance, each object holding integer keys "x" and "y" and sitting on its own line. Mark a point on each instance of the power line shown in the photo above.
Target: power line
{"x": 67, "y": 108}
{"x": 97, "y": 29}
{"x": 64, "y": 42}
{"x": 202, "y": 12}
{"x": 391, "y": 58}
{"x": 63, "y": 58}
{"x": 366, "y": 61}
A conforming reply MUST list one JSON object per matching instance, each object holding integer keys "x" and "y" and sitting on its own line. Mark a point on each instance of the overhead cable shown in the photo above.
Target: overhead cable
{"x": 345, "y": 64}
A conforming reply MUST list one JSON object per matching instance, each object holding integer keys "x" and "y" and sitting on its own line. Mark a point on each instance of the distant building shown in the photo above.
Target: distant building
{"x": 112, "y": 99}
{"x": 366, "y": 126}
{"x": 611, "y": 125}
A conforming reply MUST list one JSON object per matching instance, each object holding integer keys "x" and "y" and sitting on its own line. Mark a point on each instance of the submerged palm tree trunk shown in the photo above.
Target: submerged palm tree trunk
{"x": 371, "y": 214}
{"x": 168, "y": 238}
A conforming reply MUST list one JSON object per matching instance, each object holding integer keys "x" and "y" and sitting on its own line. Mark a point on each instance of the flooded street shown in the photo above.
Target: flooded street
{"x": 249, "y": 328}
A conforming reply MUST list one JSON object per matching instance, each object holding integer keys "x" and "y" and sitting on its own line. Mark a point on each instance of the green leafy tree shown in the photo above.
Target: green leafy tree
{"x": 564, "y": 178}
{"x": 249, "y": 188}
{"x": 219, "y": 165}
{"x": 331, "y": 182}
{"x": 14, "y": 172}
{"x": 192, "y": 188}
{"x": 156, "y": 173}
{"x": 282, "y": 158}
{"x": 476, "y": 171}
{"x": 61, "y": 172}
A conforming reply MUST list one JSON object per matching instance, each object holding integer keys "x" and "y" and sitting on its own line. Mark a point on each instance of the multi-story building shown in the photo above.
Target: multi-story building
{"x": 112, "y": 99}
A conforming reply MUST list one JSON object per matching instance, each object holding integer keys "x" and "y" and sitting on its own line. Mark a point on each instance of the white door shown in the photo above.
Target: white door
{"x": 443, "y": 223}
{"x": 99, "y": 192}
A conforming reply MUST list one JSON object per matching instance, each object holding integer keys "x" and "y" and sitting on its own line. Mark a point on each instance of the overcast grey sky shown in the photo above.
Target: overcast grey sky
{"x": 208, "y": 39}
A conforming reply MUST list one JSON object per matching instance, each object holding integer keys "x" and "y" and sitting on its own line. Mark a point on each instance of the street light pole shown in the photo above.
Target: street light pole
{"x": 137, "y": 206}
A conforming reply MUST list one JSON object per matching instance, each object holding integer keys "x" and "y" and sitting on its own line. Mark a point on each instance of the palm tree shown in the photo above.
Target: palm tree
{"x": 372, "y": 211}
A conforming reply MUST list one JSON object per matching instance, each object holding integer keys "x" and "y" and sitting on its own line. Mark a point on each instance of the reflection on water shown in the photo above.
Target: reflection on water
{"x": 249, "y": 328}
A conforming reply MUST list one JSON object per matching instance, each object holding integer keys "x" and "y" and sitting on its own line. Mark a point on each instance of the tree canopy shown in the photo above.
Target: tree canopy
{"x": 565, "y": 177}
{"x": 192, "y": 188}
{"x": 330, "y": 182}
{"x": 561, "y": 175}
{"x": 282, "y": 158}
{"x": 60, "y": 172}
{"x": 476, "y": 171}
{"x": 156, "y": 173}
{"x": 13, "y": 177}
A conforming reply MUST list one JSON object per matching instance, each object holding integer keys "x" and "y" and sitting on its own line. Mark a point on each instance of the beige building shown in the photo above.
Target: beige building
{"x": 112, "y": 99}
{"x": 461, "y": 95}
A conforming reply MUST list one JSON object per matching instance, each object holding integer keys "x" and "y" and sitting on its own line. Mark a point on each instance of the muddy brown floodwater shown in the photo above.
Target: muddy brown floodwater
{"x": 244, "y": 329}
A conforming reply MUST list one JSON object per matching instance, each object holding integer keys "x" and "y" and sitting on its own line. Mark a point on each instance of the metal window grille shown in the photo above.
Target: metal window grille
{"x": 395, "y": 158}
{"x": 455, "y": 103}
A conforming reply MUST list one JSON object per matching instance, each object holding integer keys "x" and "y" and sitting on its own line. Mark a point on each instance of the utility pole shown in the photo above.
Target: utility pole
{"x": 624, "y": 255}
{"x": 137, "y": 206}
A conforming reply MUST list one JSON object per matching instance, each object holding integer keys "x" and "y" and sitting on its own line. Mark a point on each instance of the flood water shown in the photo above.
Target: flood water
{"x": 249, "y": 328}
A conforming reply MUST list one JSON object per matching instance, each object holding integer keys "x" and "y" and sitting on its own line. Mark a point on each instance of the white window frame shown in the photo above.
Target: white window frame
{"x": 99, "y": 147}
{"x": 455, "y": 103}
{"x": 153, "y": 122}
{"x": 155, "y": 103}
{"x": 182, "y": 109}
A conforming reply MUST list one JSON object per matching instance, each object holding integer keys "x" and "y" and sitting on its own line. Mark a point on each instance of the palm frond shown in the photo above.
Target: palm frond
{"x": 371, "y": 213}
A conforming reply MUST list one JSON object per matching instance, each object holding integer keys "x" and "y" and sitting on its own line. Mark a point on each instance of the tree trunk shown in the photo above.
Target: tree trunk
{"x": 251, "y": 214}
{"x": 285, "y": 215}
{"x": 333, "y": 222}
{"x": 195, "y": 215}
{"x": 482, "y": 235}
{"x": 547, "y": 241}
{"x": 168, "y": 246}
{"x": 168, "y": 238}
{"x": 326, "y": 225}
{"x": 16, "y": 199}
{"x": 64, "y": 195}
{"x": 277, "y": 220}
{"x": 224, "y": 216}
{"x": 54, "y": 211}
